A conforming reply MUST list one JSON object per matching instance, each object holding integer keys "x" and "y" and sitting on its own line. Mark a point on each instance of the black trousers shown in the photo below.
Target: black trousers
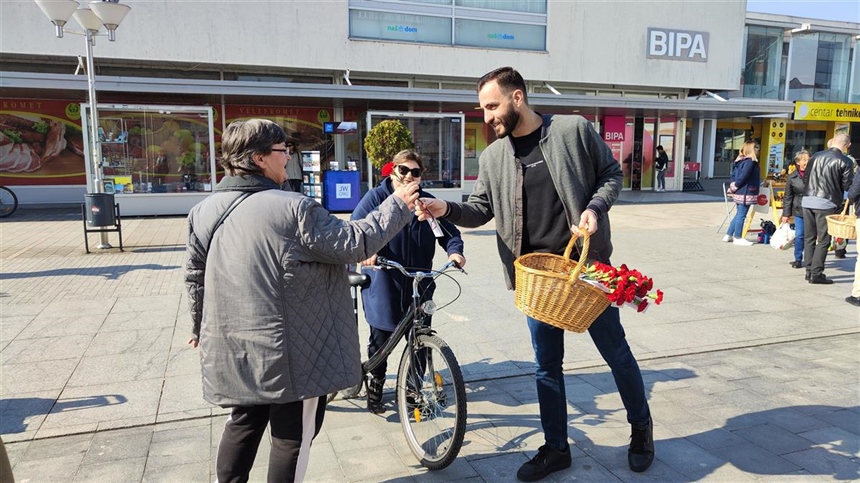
{"x": 378, "y": 338}
{"x": 293, "y": 426}
{"x": 816, "y": 240}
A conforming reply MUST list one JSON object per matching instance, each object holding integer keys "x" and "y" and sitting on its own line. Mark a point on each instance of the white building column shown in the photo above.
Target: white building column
{"x": 709, "y": 140}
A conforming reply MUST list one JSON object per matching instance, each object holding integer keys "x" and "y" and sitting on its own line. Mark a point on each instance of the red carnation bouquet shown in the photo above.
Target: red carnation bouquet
{"x": 622, "y": 285}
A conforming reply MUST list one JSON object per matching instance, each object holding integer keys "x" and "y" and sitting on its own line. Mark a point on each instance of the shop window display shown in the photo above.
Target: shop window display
{"x": 155, "y": 151}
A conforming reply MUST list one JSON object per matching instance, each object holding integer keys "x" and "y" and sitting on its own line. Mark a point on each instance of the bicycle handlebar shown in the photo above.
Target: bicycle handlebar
{"x": 382, "y": 262}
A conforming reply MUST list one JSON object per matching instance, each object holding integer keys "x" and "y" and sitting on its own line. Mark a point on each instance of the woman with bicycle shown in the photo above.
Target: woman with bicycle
{"x": 389, "y": 295}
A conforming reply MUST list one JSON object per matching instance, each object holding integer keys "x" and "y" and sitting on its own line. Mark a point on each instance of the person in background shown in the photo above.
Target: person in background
{"x": 294, "y": 168}
{"x": 660, "y": 165}
{"x": 791, "y": 204}
{"x": 744, "y": 188}
{"x": 828, "y": 175}
{"x": 389, "y": 295}
{"x": 543, "y": 178}
{"x": 854, "y": 196}
{"x": 269, "y": 300}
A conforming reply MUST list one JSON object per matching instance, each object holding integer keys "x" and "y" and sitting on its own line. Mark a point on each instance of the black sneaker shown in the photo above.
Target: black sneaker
{"x": 797, "y": 264}
{"x": 840, "y": 253}
{"x": 547, "y": 460}
{"x": 853, "y": 300}
{"x": 374, "y": 395}
{"x": 640, "y": 455}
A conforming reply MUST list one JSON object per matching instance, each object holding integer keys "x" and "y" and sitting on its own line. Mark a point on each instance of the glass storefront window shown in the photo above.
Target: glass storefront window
{"x": 529, "y": 6}
{"x": 728, "y": 144}
{"x": 481, "y": 33}
{"x": 819, "y": 67}
{"x": 762, "y": 66}
{"x": 439, "y": 142}
{"x": 154, "y": 150}
{"x": 496, "y": 24}
{"x": 854, "y": 95}
{"x": 365, "y": 24}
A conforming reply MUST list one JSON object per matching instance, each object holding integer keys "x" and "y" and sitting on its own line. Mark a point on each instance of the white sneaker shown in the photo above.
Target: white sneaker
{"x": 728, "y": 238}
{"x": 743, "y": 242}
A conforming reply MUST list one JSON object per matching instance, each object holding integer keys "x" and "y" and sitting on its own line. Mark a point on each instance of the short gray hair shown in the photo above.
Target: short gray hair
{"x": 243, "y": 139}
{"x": 841, "y": 141}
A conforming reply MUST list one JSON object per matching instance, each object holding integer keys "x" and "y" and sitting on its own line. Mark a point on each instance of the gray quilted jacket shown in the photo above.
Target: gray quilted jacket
{"x": 275, "y": 321}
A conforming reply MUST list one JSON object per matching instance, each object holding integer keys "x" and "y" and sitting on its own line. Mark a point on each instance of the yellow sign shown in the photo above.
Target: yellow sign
{"x": 826, "y": 111}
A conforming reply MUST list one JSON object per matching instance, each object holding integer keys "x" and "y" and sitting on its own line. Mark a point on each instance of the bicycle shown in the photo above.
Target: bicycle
{"x": 8, "y": 202}
{"x": 431, "y": 393}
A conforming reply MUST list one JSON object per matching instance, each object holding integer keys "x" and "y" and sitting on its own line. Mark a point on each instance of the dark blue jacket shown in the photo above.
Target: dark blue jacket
{"x": 390, "y": 293}
{"x": 745, "y": 181}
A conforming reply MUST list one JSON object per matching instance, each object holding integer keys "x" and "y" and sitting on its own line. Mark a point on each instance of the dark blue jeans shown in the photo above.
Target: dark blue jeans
{"x": 798, "y": 238}
{"x": 738, "y": 223}
{"x": 608, "y": 337}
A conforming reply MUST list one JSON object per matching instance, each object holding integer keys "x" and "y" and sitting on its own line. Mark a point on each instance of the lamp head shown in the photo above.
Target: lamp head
{"x": 58, "y": 12}
{"x": 111, "y": 13}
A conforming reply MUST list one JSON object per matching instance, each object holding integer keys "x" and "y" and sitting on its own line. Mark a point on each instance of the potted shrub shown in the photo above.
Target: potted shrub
{"x": 386, "y": 139}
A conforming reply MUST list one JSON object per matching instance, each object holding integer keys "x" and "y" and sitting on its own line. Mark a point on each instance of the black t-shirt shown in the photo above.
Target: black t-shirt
{"x": 544, "y": 221}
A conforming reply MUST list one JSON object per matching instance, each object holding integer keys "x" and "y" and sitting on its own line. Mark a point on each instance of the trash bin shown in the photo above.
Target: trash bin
{"x": 100, "y": 209}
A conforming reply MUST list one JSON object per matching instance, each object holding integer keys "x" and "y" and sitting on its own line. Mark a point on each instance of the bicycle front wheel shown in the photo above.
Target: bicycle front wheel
{"x": 8, "y": 202}
{"x": 431, "y": 402}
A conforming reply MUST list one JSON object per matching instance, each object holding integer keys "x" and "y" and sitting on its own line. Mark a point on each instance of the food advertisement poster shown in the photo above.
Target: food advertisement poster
{"x": 41, "y": 143}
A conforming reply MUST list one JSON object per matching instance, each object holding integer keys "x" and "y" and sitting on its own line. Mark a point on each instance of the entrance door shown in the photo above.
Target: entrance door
{"x": 438, "y": 140}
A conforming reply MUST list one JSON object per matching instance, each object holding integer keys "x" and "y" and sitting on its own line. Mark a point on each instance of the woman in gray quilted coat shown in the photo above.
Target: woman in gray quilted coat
{"x": 269, "y": 300}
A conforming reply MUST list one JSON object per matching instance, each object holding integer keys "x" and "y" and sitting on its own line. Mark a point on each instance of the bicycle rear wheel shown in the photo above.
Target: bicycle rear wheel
{"x": 431, "y": 402}
{"x": 8, "y": 202}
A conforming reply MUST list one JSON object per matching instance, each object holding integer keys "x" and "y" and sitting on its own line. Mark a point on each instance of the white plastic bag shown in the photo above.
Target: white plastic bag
{"x": 783, "y": 239}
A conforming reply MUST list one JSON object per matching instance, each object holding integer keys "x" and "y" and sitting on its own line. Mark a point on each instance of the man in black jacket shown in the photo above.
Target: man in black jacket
{"x": 854, "y": 196}
{"x": 828, "y": 175}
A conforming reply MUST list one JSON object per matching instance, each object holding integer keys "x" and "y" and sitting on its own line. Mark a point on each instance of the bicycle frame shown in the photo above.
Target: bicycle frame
{"x": 412, "y": 322}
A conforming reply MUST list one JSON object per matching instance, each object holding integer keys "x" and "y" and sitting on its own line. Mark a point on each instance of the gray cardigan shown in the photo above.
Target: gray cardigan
{"x": 275, "y": 320}
{"x": 584, "y": 174}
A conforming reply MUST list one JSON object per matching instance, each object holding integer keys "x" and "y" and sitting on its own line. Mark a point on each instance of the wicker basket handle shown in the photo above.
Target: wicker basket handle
{"x": 845, "y": 208}
{"x": 583, "y": 254}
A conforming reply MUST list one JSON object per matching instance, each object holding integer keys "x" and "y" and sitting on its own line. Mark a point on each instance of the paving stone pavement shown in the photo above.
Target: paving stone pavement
{"x": 752, "y": 373}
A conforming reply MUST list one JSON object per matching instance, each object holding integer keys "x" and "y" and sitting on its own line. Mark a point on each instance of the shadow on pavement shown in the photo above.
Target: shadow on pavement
{"x": 16, "y": 411}
{"x": 755, "y": 443}
{"x": 159, "y": 249}
{"x": 110, "y": 273}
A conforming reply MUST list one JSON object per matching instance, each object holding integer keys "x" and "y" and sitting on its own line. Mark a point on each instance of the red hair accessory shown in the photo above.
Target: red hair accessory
{"x": 387, "y": 168}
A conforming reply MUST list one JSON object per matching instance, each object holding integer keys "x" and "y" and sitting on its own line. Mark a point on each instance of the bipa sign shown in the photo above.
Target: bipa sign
{"x": 677, "y": 45}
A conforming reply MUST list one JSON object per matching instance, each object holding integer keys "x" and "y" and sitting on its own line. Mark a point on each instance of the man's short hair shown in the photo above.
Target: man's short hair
{"x": 841, "y": 141}
{"x": 507, "y": 78}
{"x": 244, "y": 139}
{"x": 659, "y": 148}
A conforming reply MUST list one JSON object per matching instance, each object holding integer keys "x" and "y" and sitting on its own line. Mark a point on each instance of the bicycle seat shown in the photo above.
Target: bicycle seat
{"x": 358, "y": 279}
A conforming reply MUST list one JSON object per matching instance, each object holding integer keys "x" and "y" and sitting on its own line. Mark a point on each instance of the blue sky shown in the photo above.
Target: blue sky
{"x": 845, "y": 10}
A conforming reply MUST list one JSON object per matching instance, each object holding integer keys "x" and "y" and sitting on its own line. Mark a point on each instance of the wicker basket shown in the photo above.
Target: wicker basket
{"x": 842, "y": 225}
{"x": 548, "y": 289}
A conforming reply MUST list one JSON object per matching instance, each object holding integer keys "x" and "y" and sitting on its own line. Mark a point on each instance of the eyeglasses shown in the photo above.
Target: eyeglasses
{"x": 404, "y": 170}
{"x": 280, "y": 150}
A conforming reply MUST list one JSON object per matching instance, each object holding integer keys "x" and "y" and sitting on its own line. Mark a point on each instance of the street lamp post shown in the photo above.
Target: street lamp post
{"x": 107, "y": 14}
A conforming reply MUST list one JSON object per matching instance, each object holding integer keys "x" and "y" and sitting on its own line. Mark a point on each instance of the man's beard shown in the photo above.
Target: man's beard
{"x": 509, "y": 122}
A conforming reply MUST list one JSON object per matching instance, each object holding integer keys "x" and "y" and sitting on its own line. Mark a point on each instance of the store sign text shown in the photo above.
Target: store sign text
{"x": 403, "y": 28}
{"x": 684, "y": 45}
{"x": 826, "y": 111}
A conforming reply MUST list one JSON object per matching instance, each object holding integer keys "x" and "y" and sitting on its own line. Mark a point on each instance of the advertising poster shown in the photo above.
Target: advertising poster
{"x": 304, "y": 126}
{"x": 41, "y": 143}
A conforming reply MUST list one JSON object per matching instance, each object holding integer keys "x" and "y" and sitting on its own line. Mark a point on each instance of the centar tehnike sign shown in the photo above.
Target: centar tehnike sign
{"x": 685, "y": 45}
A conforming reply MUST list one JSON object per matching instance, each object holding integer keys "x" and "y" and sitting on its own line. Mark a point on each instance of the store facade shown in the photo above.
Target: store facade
{"x": 658, "y": 75}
